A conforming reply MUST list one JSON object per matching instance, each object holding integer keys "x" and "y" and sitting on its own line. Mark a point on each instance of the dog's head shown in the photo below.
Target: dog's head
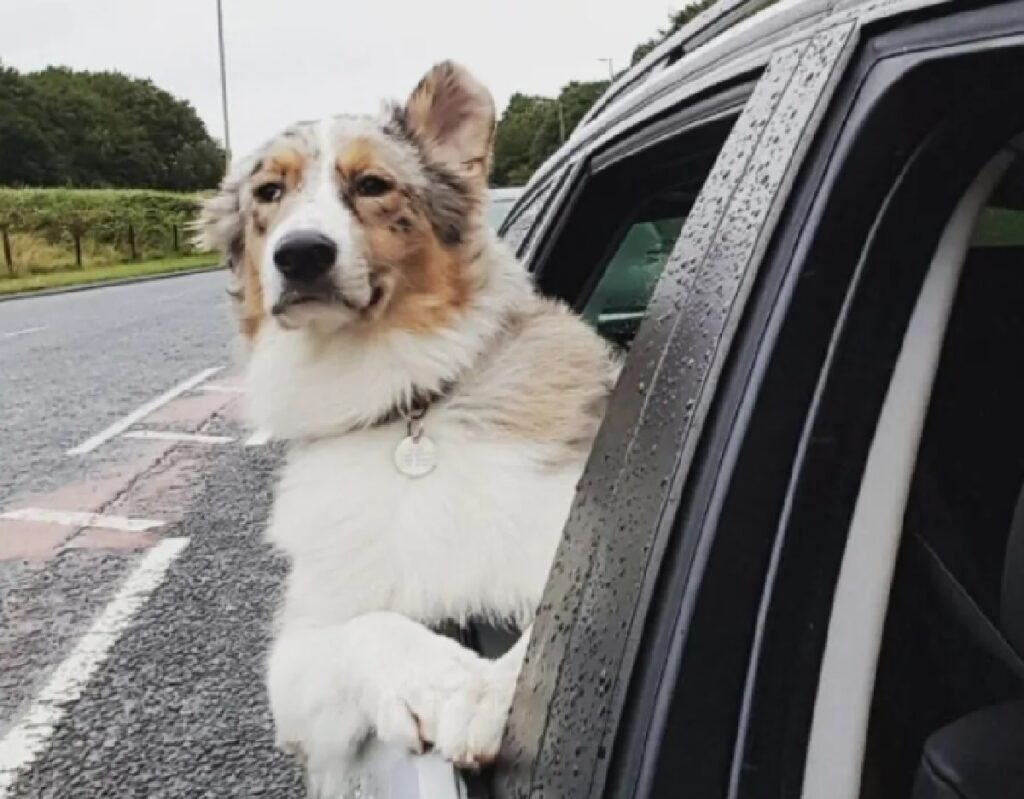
{"x": 360, "y": 221}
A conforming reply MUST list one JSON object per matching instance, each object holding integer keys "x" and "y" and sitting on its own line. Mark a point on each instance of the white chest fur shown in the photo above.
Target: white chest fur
{"x": 474, "y": 536}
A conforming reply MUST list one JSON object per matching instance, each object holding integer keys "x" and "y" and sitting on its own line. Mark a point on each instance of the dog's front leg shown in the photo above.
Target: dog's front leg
{"x": 383, "y": 674}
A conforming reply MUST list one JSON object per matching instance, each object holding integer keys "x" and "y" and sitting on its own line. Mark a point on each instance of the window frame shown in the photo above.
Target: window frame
{"x": 527, "y": 215}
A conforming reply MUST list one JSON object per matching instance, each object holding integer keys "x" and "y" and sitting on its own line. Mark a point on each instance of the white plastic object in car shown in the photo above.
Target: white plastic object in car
{"x": 390, "y": 771}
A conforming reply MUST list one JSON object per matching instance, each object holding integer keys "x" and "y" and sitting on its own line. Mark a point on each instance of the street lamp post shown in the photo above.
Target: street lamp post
{"x": 611, "y": 69}
{"x": 223, "y": 83}
{"x": 561, "y": 119}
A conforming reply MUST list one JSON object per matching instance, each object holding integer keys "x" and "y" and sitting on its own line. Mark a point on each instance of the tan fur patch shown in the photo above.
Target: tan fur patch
{"x": 429, "y": 287}
{"x": 420, "y": 104}
{"x": 250, "y": 313}
{"x": 425, "y": 282}
{"x": 547, "y": 381}
{"x": 358, "y": 158}
{"x": 287, "y": 165}
{"x": 453, "y": 115}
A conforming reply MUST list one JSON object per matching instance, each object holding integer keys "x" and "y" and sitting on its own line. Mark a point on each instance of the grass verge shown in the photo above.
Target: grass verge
{"x": 102, "y": 274}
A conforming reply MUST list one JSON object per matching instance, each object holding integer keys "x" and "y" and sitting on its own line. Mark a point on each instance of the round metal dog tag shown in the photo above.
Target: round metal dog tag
{"x": 416, "y": 456}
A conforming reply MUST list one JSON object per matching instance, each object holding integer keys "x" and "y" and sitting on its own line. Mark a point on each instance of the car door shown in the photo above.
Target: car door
{"x": 928, "y": 107}
{"x": 722, "y": 624}
{"x": 680, "y": 643}
{"x": 634, "y": 549}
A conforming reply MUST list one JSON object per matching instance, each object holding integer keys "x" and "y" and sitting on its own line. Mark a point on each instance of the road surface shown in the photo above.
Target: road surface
{"x": 135, "y": 590}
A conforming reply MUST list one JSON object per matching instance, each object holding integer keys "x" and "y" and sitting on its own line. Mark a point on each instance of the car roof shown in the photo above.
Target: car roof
{"x": 729, "y": 39}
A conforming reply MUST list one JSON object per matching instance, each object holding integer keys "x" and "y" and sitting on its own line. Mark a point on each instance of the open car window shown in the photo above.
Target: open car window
{"x": 942, "y": 114}
{"x": 620, "y": 299}
{"x": 622, "y": 223}
{"x": 954, "y": 635}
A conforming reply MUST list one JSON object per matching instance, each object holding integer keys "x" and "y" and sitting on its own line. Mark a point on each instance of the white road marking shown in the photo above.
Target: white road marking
{"x": 78, "y": 518}
{"x": 142, "y": 411}
{"x": 221, "y": 388}
{"x": 170, "y": 435}
{"x": 24, "y": 332}
{"x": 30, "y": 738}
{"x": 258, "y": 439}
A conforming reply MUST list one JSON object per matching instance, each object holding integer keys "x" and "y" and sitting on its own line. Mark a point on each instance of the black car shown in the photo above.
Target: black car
{"x": 795, "y": 566}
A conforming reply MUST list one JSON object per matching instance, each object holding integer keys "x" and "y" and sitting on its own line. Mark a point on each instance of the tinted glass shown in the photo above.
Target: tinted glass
{"x": 621, "y": 296}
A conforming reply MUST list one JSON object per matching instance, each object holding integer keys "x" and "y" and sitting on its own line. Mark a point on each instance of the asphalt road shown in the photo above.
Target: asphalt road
{"x": 132, "y": 641}
{"x": 72, "y": 363}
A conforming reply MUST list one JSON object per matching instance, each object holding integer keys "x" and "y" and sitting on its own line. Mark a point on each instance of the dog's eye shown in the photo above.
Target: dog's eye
{"x": 269, "y": 192}
{"x": 372, "y": 186}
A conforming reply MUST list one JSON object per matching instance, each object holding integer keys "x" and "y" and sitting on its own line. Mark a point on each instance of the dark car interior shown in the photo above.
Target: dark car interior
{"x": 947, "y": 719}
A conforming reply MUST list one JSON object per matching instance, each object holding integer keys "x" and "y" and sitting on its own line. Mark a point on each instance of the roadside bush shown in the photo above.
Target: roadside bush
{"x": 44, "y": 229}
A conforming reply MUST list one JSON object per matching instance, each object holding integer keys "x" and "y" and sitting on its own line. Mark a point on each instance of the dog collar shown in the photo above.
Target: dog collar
{"x": 415, "y": 408}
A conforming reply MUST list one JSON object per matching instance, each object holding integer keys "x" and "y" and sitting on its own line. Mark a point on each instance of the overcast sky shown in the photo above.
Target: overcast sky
{"x": 302, "y": 59}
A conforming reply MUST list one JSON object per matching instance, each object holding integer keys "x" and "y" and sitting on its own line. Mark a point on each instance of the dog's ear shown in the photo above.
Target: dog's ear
{"x": 219, "y": 228}
{"x": 451, "y": 115}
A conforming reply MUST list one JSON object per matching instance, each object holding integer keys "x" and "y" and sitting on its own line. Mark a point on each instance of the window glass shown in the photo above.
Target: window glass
{"x": 621, "y": 296}
{"x": 1001, "y": 224}
{"x": 1000, "y": 227}
{"x": 622, "y": 224}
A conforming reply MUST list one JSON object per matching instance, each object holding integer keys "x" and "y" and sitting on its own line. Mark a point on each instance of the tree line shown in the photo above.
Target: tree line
{"x": 533, "y": 127}
{"x": 61, "y": 127}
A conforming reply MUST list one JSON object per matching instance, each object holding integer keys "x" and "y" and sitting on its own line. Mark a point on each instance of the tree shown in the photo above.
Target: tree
{"x": 59, "y": 127}
{"x": 676, "y": 21}
{"x": 29, "y": 154}
{"x": 532, "y": 127}
{"x": 513, "y": 139}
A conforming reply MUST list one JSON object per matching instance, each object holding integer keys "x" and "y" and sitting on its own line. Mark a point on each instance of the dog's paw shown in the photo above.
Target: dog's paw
{"x": 417, "y": 700}
{"x": 385, "y": 676}
{"x": 472, "y": 721}
{"x": 443, "y": 697}
{"x": 453, "y": 707}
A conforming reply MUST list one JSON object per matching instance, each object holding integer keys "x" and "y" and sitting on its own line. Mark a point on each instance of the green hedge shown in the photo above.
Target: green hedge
{"x": 137, "y": 222}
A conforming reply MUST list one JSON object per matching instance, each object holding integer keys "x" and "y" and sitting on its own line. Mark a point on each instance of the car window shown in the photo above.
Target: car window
{"x": 620, "y": 298}
{"x": 954, "y": 639}
{"x": 857, "y": 278}
{"x": 518, "y": 229}
{"x": 623, "y": 222}
{"x": 1001, "y": 224}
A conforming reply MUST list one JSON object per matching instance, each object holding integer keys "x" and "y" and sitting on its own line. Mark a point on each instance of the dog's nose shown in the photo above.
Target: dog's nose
{"x": 304, "y": 256}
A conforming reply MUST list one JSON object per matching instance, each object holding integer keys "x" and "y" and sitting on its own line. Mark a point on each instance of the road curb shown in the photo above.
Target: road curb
{"x": 99, "y": 284}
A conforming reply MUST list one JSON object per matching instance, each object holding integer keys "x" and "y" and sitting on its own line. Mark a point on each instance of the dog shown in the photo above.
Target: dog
{"x": 438, "y": 413}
